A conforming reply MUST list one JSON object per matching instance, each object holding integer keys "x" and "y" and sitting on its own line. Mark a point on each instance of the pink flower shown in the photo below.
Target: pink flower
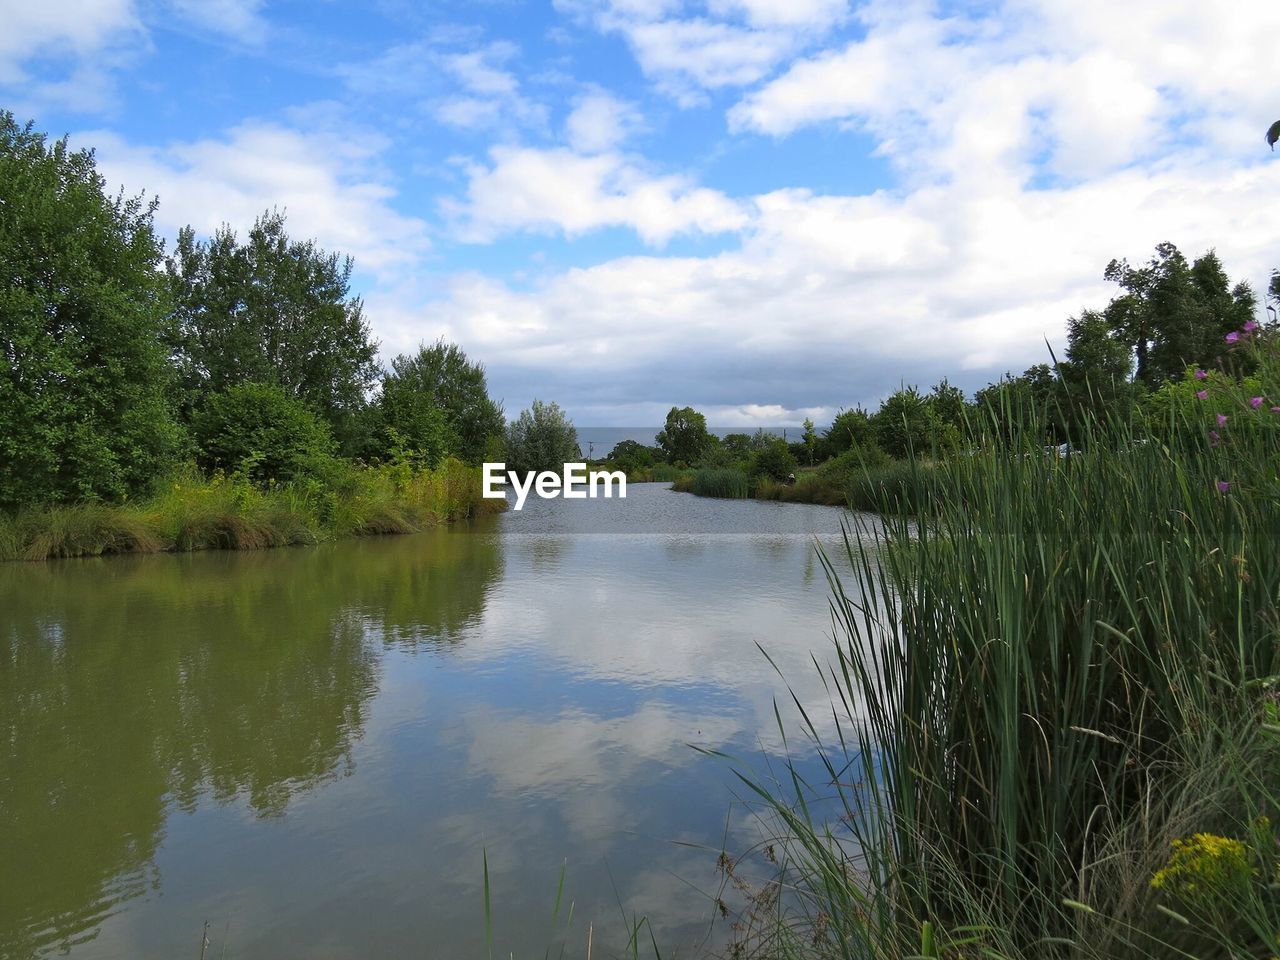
{"x": 1202, "y": 394}
{"x": 1222, "y": 419}
{"x": 1250, "y": 327}
{"x": 1275, "y": 409}
{"x": 1232, "y": 337}
{"x": 1255, "y": 402}
{"x": 1214, "y": 439}
{"x": 1223, "y": 486}
{"x": 1201, "y": 374}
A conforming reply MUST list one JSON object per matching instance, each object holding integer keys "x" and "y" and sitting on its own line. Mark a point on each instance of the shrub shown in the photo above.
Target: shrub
{"x": 261, "y": 431}
{"x": 774, "y": 459}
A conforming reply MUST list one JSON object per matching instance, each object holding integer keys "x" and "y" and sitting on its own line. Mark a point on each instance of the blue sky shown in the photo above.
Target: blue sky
{"x": 768, "y": 209}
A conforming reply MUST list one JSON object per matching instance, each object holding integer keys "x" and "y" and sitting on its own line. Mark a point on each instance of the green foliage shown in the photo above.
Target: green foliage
{"x": 773, "y": 459}
{"x": 905, "y": 424}
{"x": 633, "y": 458}
{"x": 82, "y": 309}
{"x": 1042, "y": 678}
{"x": 1172, "y": 313}
{"x": 719, "y": 482}
{"x": 438, "y": 401}
{"x": 262, "y": 431}
{"x": 685, "y": 437}
{"x": 542, "y": 438}
{"x": 270, "y": 310}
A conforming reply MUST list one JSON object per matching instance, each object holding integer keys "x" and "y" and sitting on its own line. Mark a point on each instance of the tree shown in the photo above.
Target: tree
{"x": 774, "y": 459}
{"x": 262, "y": 430}
{"x": 1172, "y": 313}
{"x": 84, "y": 411}
{"x": 440, "y": 378}
{"x": 810, "y": 440}
{"x": 849, "y": 429}
{"x": 542, "y": 438}
{"x": 904, "y": 424}
{"x": 270, "y": 310}
{"x": 685, "y": 437}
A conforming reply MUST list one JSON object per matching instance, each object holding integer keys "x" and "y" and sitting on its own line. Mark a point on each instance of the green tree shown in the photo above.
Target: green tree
{"x": 542, "y": 438}
{"x": 685, "y": 437}
{"x": 904, "y": 424}
{"x": 773, "y": 459}
{"x": 271, "y": 310}
{"x": 264, "y": 431}
{"x": 849, "y": 429}
{"x": 810, "y": 440}
{"x": 440, "y": 378}
{"x": 83, "y": 379}
{"x": 1172, "y": 313}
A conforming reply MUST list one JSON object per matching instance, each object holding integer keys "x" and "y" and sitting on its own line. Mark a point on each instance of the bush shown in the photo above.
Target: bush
{"x": 774, "y": 459}
{"x": 259, "y": 430}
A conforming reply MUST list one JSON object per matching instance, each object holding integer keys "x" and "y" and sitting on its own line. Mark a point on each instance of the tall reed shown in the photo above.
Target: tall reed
{"x": 1038, "y": 683}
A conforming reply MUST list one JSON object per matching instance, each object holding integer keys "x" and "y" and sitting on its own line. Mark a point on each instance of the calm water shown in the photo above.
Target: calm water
{"x": 312, "y": 749}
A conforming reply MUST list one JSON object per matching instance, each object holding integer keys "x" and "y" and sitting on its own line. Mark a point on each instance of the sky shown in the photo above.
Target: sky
{"x": 766, "y": 209}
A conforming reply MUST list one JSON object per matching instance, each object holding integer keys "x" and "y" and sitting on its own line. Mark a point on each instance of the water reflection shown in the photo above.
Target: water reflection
{"x": 313, "y": 747}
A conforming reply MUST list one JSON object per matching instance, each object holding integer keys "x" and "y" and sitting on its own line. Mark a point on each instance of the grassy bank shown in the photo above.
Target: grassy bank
{"x": 189, "y": 511}
{"x": 1055, "y": 712}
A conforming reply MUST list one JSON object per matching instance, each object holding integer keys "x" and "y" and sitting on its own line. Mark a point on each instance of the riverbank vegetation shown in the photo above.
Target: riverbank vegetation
{"x": 1144, "y": 357}
{"x": 227, "y": 395}
{"x": 1054, "y": 728}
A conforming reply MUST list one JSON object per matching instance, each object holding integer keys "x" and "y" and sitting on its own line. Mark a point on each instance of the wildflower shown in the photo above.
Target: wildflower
{"x": 1250, "y": 326}
{"x": 1223, "y": 486}
{"x": 1214, "y": 437}
{"x": 1202, "y": 374}
{"x": 1275, "y": 409}
{"x": 1255, "y": 402}
{"x": 1202, "y": 394}
{"x": 1233, "y": 337}
{"x": 1222, "y": 419}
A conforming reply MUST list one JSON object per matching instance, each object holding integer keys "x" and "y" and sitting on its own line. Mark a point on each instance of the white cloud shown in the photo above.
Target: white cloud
{"x": 600, "y": 121}
{"x": 462, "y": 82}
{"x": 994, "y": 95}
{"x": 689, "y": 49}
{"x": 240, "y": 19}
{"x": 556, "y": 189}
{"x": 328, "y": 185}
{"x": 831, "y": 301}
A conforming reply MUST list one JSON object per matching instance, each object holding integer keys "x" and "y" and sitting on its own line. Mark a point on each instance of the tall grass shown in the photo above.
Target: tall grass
{"x": 189, "y": 511}
{"x": 722, "y": 482}
{"x": 1051, "y": 673}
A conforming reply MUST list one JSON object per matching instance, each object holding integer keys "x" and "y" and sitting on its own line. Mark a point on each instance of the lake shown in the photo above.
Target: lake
{"x": 314, "y": 750}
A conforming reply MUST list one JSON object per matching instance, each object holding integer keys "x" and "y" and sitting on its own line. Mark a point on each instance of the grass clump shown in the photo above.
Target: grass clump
{"x": 1053, "y": 729}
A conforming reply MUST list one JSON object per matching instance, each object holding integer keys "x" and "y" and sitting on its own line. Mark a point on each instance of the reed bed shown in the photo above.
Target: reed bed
{"x": 1054, "y": 701}
{"x": 190, "y": 511}
{"x": 721, "y": 482}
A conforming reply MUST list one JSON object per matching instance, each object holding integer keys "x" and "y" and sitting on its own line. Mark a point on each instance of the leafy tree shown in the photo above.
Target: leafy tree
{"x": 1012, "y": 405}
{"x": 849, "y": 429}
{"x": 1095, "y": 373}
{"x": 774, "y": 459}
{"x": 542, "y": 438}
{"x": 629, "y": 455}
{"x": 271, "y": 310}
{"x": 1172, "y": 313}
{"x": 262, "y": 430}
{"x": 685, "y": 437}
{"x": 83, "y": 379}
{"x": 440, "y": 376}
{"x": 905, "y": 424}
{"x": 810, "y": 440}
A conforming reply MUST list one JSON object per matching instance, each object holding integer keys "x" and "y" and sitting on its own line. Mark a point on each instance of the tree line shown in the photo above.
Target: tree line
{"x": 249, "y": 354}
{"x": 1166, "y": 330}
